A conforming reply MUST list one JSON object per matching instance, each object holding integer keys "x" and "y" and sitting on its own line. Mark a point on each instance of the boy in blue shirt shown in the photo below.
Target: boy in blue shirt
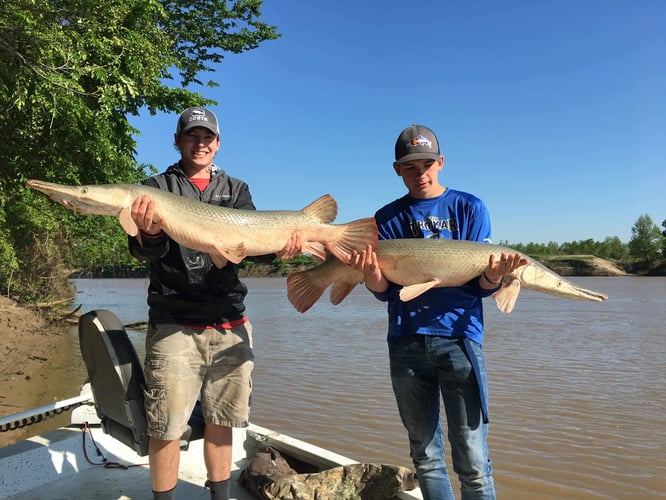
{"x": 435, "y": 340}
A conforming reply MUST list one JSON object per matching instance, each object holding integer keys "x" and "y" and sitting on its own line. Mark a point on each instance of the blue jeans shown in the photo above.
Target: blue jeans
{"x": 422, "y": 367}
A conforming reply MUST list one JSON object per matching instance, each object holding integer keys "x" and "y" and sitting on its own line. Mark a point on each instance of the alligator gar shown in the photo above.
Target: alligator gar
{"x": 421, "y": 264}
{"x": 227, "y": 234}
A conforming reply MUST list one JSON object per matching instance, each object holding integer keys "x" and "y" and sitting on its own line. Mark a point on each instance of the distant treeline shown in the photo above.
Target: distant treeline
{"x": 611, "y": 248}
{"x": 645, "y": 251}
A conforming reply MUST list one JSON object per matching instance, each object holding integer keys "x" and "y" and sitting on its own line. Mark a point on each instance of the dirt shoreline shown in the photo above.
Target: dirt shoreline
{"x": 26, "y": 341}
{"x": 30, "y": 353}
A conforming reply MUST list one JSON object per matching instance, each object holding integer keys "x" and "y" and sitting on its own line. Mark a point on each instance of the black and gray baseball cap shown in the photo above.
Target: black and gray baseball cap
{"x": 416, "y": 142}
{"x": 197, "y": 117}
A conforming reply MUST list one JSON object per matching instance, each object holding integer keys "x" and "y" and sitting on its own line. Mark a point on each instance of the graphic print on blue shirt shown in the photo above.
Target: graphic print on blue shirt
{"x": 452, "y": 215}
{"x": 432, "y": 227}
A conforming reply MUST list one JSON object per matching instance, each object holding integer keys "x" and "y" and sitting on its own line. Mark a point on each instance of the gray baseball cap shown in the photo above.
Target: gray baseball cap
{"x": 197, "y": 117}
{"x": 416, "y": 142}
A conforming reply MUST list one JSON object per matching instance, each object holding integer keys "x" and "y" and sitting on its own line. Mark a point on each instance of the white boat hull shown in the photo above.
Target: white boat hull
{"x": 54, "y": 466}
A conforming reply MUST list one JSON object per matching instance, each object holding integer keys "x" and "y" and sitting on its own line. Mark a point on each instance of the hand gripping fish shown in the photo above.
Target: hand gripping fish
{"x": 421, "y": 264}
{"x": 227, "y": 234}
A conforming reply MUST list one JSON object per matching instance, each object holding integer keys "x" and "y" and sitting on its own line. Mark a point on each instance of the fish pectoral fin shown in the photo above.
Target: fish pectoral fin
{"x": 412, "y": 291}
{"x": 127, "y": 222}
{"x": 235, "y": 254}
{"x": 507, "y": 296}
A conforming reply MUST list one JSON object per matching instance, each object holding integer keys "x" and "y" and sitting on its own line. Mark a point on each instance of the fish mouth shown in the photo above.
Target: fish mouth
{"x": 590, "y": 295}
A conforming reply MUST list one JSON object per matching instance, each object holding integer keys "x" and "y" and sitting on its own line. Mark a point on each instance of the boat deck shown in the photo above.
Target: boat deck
{"x": 54, "y": 466}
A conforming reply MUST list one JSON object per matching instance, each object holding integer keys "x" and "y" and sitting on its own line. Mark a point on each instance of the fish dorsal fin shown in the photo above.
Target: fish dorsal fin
{"x": 412, "y": 291}
{"x": 324, "y": 209}
{"x": 224, "y": 253}
{"x": 127, "y": 222}
{"x": 507, "y": 296}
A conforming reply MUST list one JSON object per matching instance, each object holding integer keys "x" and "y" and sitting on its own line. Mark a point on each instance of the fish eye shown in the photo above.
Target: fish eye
{"x": 84, "y": 190}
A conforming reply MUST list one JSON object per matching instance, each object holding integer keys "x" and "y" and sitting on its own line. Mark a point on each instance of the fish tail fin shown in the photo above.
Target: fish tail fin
{"x": 355, "y": 235}
{"x": 507, "y": 296}
{"x": 302, "y": 292}
{"x": 324, "y": 209}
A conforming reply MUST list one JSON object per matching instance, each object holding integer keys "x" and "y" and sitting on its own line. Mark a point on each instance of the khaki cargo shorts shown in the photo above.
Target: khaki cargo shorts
{"x": 184, "y": 364}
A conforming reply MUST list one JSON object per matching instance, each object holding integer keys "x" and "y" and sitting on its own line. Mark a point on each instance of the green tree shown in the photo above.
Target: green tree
{"x": 535, "y": 249}
{"x": 613, "y": 248}
{"x": 646, "y": 241}
{"x": 72, "y": 73}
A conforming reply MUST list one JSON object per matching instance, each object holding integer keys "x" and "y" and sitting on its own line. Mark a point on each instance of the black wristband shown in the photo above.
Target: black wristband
{"x": 485, "y": 276}
{"x": 153, "y": 236}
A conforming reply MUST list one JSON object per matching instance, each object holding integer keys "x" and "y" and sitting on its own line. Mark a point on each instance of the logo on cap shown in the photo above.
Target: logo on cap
{"x": 419, "y": 140}
{"x": 198, "y": 115}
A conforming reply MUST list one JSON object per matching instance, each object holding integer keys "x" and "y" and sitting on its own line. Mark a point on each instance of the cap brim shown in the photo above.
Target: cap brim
{"x": 418, "y": 156}
{"x": 200, "y": 125}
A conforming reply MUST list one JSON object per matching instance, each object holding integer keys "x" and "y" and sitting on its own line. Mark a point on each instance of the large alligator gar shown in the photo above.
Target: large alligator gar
{"x": 421, "y": 264}
{"x": 227, "y": 234}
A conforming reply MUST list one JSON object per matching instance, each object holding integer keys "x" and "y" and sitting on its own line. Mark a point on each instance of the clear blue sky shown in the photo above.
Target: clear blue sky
{"x": 552, "y": 112}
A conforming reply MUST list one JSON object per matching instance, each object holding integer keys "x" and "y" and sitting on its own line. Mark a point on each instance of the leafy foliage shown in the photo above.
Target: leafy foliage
{"x": 72, "y": 72}
{"x": 647, "y": 242}
{"x": 204, "y": 30}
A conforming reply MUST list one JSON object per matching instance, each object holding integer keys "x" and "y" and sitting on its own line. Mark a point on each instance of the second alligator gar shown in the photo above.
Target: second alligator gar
{"x": 227, "y": 234}
{"x": 422, "y": 264}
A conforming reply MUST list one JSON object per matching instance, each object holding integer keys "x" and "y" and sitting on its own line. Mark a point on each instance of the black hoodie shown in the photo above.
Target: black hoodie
{"x": 185, "y": 286}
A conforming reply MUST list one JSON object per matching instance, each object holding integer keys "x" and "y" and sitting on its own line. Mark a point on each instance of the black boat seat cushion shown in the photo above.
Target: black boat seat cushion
{"x": 117, "y": 381}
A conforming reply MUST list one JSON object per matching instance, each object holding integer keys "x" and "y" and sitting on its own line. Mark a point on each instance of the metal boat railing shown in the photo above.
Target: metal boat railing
{"x": 35, "y": 415}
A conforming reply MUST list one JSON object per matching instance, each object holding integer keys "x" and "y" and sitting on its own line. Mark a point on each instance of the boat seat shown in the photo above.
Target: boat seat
{"x": 117, "y": 382}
